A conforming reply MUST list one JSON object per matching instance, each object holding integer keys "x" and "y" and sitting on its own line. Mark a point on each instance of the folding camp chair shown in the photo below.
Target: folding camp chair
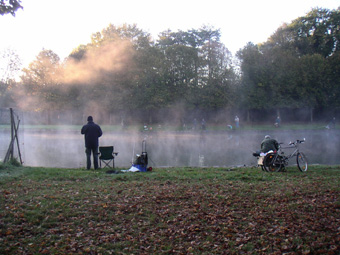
{"x": 106, "y": 155}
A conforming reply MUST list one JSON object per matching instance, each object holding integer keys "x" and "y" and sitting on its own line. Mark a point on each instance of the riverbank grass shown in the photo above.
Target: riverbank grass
{"x": 170, "y": 210}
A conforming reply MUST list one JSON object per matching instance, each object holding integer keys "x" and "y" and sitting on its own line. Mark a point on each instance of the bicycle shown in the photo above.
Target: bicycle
{"x": 276, "y": 162}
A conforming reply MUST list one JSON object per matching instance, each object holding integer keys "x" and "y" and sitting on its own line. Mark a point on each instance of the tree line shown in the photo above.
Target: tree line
{"x": 188, "y": 74}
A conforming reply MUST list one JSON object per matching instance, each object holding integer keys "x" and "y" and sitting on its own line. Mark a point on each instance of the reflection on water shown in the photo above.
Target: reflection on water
{"x": 229, "y": 148}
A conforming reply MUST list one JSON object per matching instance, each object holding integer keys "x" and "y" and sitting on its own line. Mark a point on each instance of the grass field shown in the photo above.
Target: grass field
{"x": 169, "y": 211}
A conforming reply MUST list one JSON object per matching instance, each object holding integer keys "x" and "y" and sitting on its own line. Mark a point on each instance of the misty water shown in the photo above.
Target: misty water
{"x": 65, "y": 148}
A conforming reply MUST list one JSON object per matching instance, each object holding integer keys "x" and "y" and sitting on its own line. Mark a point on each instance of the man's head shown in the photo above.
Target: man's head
{"x": 267, "y": 137}
{"x": 89, "y": 118}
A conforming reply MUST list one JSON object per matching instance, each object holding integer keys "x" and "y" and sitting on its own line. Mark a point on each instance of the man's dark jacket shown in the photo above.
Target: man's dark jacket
{"x": 269, "y": 144}
{"x": 91, "y": 132}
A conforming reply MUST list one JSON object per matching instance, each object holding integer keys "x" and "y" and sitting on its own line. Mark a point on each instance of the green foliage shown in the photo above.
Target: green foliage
{"x": 40, "y": 83}
{"x": 10, "y": 168}
{"x": 123, "y": 72}
{"x": 296, "y": 66}
{"x": 9, "y": 6}
{"x": 197, "y": 68}
{"x": 14, "y": 162}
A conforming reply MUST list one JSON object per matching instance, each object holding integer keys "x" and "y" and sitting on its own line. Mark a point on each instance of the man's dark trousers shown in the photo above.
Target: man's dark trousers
{"x": 95, "y": 157}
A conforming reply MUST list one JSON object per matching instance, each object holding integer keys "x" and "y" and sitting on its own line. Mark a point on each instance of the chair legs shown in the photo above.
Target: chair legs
{"x": 107, "y": 163}
{"x": 106, "y": 156}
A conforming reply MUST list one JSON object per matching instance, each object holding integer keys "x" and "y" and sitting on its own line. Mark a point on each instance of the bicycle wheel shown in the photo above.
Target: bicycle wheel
{"x": 301, "y": 161}
{"x": 272, "y": 163}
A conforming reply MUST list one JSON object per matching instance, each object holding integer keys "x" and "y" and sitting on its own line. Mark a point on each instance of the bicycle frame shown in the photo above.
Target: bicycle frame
{"x": 280, "y": 160}
{"x": 290, "y": 155}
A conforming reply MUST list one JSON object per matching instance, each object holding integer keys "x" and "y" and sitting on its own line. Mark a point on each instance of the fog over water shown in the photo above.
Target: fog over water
{"x": 65, "y": 149}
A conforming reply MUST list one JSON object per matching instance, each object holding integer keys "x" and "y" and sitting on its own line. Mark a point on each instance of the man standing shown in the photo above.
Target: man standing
{"x": 91, "y": 132}
{"x": 237, "y": 121}
{"x": 277, "y": 122}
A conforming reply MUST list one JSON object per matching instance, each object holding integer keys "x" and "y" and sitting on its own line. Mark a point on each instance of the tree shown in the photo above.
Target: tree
{"x": 44, "y": 69}
{"x": 10, "y": 65}
{"x": 116, "y": 67}
{"x": 9, "y": 6}
{"x": 254, "y": 85}
{"x": 41, "y": 82}
{"x": 333, "y": 93}
{"x": 313, "y": 86}
{"x": 9, "y": 70}
{"x": 216, "y": 72}
{"x": 179, "y": 69}
{"x": 316, "y": 33}
{"x": 296, "y": 66}
{"x": 197, "y": 68}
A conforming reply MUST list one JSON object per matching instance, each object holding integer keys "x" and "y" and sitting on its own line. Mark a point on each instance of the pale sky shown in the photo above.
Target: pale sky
{"x": 62, "y": 25}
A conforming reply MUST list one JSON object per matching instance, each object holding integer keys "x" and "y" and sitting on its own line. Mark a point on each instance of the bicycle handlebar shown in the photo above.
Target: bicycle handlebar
{"x": 297, "y": 141}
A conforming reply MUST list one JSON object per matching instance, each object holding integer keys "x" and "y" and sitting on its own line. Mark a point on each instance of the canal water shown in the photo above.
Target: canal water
{"x": 65, "y": 148}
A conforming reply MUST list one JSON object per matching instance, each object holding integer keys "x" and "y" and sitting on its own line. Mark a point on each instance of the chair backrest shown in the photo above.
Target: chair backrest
{"x": 106, "y": 152}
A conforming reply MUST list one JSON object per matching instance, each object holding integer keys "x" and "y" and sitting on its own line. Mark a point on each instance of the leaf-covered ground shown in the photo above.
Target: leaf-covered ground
{"x": 170, "y": 211}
